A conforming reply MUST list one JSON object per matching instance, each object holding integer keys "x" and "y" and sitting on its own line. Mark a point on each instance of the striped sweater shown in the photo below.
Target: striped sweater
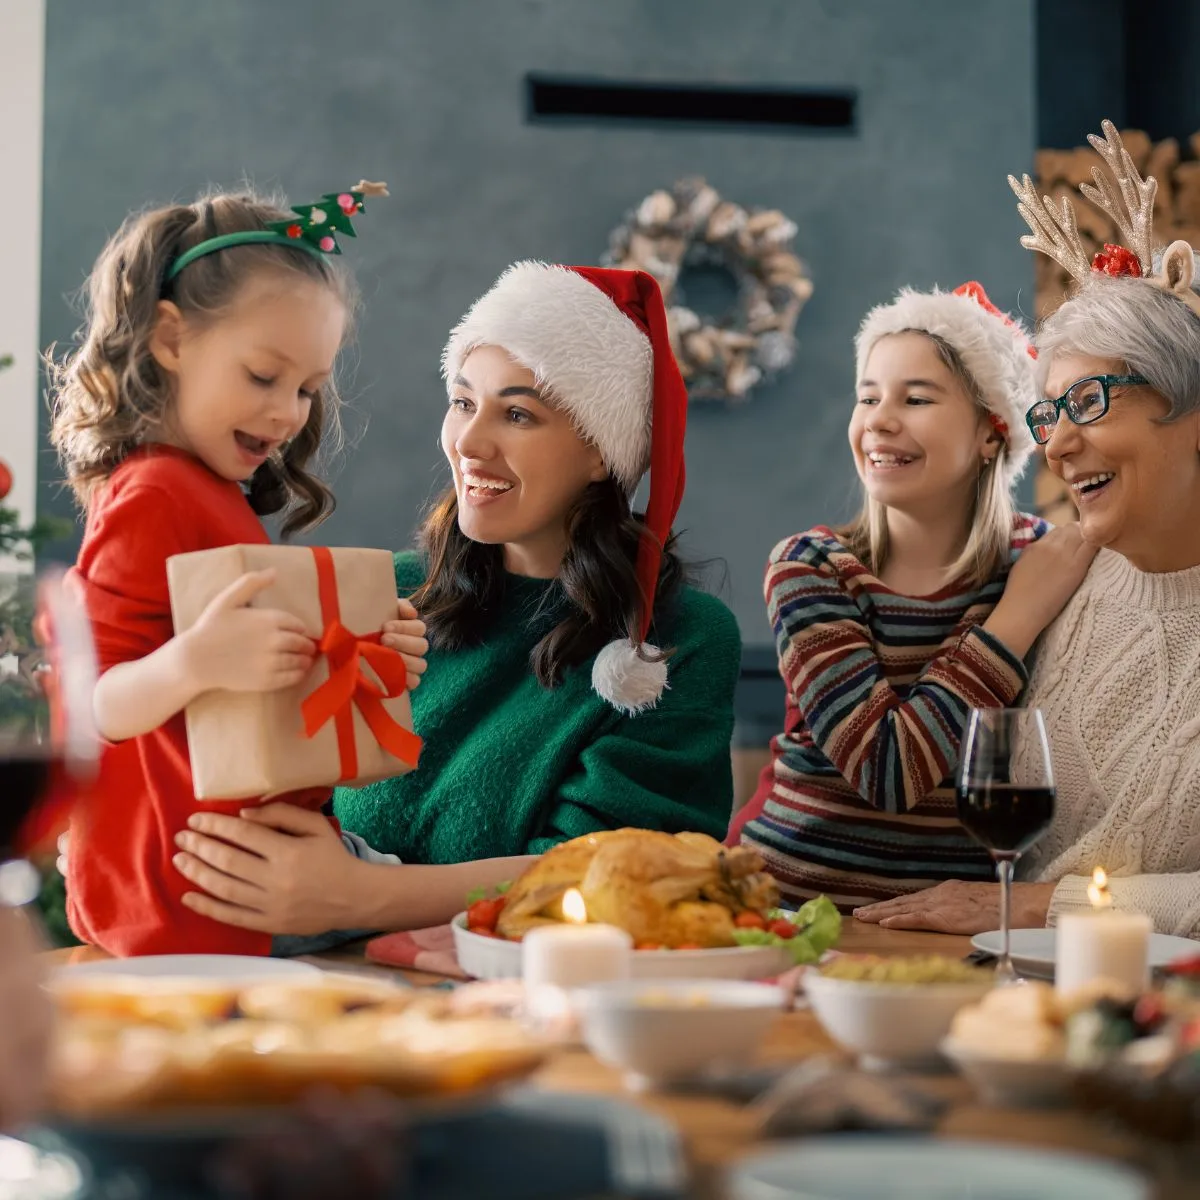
{"x": 858, "y": 800}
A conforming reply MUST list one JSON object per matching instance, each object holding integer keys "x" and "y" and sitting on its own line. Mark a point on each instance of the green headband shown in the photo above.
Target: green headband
{"x": 314, "y": 229}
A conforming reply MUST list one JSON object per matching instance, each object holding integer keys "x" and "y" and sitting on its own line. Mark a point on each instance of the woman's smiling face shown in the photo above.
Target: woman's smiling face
{"x": 1131, "y": 472}
{"x": 519, "y": 464}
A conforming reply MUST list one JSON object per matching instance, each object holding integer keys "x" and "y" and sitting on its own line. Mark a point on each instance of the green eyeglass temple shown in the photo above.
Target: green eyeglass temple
{"x": 1042, "y": 417}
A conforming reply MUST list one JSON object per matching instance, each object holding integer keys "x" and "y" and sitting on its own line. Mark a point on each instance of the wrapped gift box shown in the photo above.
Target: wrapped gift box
{"x": 349, "y": 722}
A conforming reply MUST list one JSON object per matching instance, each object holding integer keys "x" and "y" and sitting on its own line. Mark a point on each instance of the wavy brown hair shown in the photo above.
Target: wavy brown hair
{"x": 464, "y": 589}
{"x": 109, "y": 395}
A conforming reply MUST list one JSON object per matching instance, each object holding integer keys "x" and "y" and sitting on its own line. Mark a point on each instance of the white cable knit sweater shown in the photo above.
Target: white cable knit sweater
{"x": 1117, "y": 678}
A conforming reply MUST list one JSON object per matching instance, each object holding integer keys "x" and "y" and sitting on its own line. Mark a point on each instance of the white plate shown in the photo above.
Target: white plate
{"x": 912, "y": 1168}
{"x": 495, "y": 958}
{"x": 1032, "y": 950}
{"x": 224, "y": 968}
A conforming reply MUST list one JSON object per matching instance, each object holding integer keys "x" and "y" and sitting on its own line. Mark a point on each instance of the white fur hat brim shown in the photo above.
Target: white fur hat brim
{"x": 993, "y": 351}
{"x": 596, "y": 363}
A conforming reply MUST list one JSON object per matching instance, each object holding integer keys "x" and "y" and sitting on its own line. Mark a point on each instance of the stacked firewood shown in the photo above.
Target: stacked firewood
{"x": 1176, "y": 216}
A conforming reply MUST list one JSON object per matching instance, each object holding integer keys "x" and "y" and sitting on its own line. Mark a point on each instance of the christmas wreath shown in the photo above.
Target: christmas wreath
{"x": 691, "y": 226}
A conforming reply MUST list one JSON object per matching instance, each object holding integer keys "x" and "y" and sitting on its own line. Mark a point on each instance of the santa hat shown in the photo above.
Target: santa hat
{"x": 597, "y": 339}
{"x": 994, "y": 348}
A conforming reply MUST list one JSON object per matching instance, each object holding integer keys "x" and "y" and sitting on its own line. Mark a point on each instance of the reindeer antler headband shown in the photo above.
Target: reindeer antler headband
{"x": 1129, "y": 200}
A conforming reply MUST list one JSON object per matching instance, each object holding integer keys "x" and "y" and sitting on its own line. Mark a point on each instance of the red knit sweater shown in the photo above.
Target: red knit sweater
{"x": 123, "y": 892}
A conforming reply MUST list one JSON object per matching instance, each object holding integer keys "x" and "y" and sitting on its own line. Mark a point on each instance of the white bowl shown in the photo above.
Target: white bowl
{"x": 889, "y": 1024}
{"x": 1012, "y": 1081}
{"x": 497, "y": 958}
{"x": 665, "y": 1031}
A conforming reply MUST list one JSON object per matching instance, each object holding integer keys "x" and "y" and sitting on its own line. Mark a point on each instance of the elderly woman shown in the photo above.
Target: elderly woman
{"x": 1118, "y": 673}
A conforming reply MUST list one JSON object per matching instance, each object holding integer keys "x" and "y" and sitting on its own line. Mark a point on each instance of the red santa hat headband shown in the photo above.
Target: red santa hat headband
{"x": 993, "y": 347}
{"x": 596, "y": 338}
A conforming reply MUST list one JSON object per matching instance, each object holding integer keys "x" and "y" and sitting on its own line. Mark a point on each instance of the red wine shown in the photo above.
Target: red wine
{"x": 1006, "y": 818}
{"x": 23, "y": 782}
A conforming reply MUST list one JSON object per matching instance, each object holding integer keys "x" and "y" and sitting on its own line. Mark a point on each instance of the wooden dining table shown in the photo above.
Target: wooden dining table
{"x": 717, "y": 1132}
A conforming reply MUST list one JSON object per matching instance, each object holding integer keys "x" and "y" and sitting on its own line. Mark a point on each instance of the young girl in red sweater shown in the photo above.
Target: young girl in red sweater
{"x": 194, "y": 406}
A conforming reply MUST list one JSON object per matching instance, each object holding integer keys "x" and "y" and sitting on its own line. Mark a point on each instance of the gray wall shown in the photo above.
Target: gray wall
{"x": 148, "y": 100}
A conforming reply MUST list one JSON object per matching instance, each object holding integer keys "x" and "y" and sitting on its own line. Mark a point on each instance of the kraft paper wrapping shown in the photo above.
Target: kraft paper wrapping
{"x": 245, "y": 744}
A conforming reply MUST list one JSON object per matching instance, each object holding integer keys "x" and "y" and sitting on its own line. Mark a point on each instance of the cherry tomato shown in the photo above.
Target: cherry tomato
{"x": 1149, "y": 1012}
{"x": 485, "y": 913}
{"x": 782, "y": 927}
{"x": 482, "y": 931}
{"x": 1185, "y": 966}
{"x": 750, "y": 920}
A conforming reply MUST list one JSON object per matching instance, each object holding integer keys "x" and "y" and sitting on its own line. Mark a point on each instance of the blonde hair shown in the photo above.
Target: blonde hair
{"x": 988, "y": 547}
{"x": 109, "y": 393}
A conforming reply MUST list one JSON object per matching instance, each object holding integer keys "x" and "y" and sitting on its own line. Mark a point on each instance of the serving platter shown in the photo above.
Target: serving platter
{"x": 497, "y": 958}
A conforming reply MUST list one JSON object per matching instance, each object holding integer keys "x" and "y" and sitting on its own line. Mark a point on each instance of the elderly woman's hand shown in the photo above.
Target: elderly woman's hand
{"x": 958, "y": 907}
{"x": 25, "y": 1021}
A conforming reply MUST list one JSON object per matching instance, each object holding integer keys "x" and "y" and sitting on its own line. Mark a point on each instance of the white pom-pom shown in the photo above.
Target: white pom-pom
{"x": 626, "y": 680}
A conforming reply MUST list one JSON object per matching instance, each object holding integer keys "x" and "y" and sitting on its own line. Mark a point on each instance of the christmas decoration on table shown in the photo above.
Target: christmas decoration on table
{"x": 350, "y": 722}
{"x": 1138, "y": 1056}
{"x": 1175, "y": 216}
{"x": 314, "y": 228}
{"x": 691, "y": 226}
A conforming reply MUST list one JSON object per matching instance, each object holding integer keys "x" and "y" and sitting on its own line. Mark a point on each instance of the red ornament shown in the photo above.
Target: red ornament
{"x": 346, "y": 202}
{"x": 327, "y": 244}
{"x": 6, "y": 479}
{"x": 1000, "y": 426}
{"x": 294, "y": 231}
{"x": 1116, "y": 260}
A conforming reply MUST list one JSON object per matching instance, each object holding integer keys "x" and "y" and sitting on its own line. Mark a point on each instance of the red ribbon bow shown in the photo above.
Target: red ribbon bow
{"x": 349, "y": 687}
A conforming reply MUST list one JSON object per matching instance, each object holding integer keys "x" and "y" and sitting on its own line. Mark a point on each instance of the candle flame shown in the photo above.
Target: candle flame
{"x": 574, "y": 909}
{"x": 1098, "y": 892}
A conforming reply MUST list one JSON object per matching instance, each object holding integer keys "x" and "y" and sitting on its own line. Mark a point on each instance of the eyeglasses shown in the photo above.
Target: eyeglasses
{"x": 1084, "y": 401}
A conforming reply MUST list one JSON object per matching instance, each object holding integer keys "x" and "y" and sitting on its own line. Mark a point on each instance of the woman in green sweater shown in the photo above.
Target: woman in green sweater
{"x": 546, "y": 710}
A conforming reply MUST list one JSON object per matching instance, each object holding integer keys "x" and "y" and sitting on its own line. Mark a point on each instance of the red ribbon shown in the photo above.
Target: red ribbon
{"x": 349, "y": 687}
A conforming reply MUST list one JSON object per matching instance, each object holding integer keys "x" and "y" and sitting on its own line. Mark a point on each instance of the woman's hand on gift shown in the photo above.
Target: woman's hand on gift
{"x": 406, "y": 634}
{"x": 959, "y": 907}
{"x": 243, "y": 649}
{"x": 278, "y": 869}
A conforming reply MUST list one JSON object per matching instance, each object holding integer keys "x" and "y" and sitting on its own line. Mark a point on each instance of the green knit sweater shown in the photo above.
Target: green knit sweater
{"x": 510, "y": 767}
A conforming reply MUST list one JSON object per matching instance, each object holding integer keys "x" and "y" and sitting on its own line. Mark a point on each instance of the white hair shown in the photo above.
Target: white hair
{"x": 1125, "y": 318}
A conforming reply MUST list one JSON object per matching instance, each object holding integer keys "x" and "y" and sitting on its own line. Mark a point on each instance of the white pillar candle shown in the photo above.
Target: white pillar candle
{"x": 570, "y": 955}
{"x": 1102, "y": 944}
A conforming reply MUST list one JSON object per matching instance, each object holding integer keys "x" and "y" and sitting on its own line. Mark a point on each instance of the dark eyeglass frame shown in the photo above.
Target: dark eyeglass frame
{"x": 1062, "y": 404}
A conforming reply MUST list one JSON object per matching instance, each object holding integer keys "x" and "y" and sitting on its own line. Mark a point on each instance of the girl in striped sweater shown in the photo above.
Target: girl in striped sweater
{"x": 891, "y": 629}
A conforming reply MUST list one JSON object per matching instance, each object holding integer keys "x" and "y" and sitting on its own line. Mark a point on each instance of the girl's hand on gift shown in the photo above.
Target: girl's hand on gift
{"x": 406, "y": 634}
{"x": 278, "y": 869}
{"x": 244, "y": 649}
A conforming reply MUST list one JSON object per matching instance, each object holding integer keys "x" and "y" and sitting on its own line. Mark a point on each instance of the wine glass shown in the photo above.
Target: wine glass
{"x": 1005, "y": 796}
{"x": 48, "y": 742}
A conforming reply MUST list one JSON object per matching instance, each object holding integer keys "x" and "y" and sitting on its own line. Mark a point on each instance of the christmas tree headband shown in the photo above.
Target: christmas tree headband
{"x": 1129, "y": 200}
{"x": 313, "y": 229}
